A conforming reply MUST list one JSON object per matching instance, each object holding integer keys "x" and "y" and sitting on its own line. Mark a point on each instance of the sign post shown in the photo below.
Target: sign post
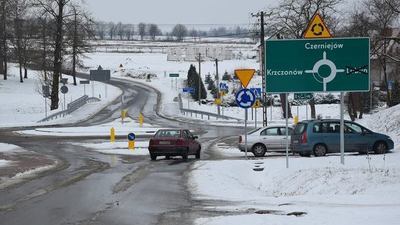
{"x": 101, "y": 76}
{"x": 331, "y": 65}
{"x": 131, "y": 141}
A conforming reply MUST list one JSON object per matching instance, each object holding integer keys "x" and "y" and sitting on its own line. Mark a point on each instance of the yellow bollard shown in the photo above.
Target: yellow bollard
{"x": 131, "y": 145}
{"x": 296, "y": 119}
{"x": 123, "y": 115}
{"x": 112, "y": 135}
{"x": 141, "y": 119}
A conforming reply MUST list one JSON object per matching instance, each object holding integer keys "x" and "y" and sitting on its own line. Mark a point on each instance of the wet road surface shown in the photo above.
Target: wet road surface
{"x": 92, "y": 188}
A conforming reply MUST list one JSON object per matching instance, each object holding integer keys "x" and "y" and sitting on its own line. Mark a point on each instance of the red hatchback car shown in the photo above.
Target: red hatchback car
{"x": 174, "y": 142}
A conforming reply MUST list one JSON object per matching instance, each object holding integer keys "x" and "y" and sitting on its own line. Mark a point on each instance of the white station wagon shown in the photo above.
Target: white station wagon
{"x": 261, "y": 140}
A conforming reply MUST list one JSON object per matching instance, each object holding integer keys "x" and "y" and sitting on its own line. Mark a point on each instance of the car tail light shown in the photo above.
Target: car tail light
{"x": 180, "y": 142}
{"x": 303, "y": 139}
{"x": 240, "y": 139}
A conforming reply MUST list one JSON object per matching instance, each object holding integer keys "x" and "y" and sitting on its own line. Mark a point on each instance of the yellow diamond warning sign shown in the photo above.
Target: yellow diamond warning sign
{"x": 245, "y": 76}
{"x": 317, "y": 28}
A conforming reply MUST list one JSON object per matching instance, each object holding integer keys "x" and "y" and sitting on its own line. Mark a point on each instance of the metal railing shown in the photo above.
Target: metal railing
{"x": 71, "y": 107}
{"x": 202, "y": 113}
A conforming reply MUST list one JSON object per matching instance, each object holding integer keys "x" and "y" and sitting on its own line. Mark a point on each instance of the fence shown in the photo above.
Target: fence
{"x": 202, "y": 113}
{"x": 71, "y": 107}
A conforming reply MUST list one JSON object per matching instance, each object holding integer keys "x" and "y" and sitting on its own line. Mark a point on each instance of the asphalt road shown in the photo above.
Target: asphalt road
{"x": 91, "y": 188}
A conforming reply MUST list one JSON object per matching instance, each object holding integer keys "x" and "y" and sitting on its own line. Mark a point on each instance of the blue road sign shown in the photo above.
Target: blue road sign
{"x": 256, "y": 91}
{"x": 390, "y": 85}
{"x": 131, "y": 137}
{"x": 223, "y": 86}
{"x": 188, "y": 90}
{"x": 245, "y": 98}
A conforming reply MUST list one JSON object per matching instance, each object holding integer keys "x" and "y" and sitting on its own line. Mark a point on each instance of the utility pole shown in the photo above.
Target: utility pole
{"x": 262, "y": 66}
{"x": 199, "y": 91}
{"x": 219, "y": 91}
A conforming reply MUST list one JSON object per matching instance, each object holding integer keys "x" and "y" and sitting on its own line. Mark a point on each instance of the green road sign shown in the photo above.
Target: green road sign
{"x": 317, "y": 65}
{"x": 303, "y": 96}
{"x": 173, "y": 75}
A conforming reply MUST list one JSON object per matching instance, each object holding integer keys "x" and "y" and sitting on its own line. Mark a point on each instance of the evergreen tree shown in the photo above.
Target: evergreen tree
{"x": 193, "y": 82}
{"x": 226, "y": 76}
{"x": 208, "y": 79}
{"x": 211, "y": 85}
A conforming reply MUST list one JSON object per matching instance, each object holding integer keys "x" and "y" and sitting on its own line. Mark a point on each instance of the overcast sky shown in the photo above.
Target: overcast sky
{"x": 176, "y": 11}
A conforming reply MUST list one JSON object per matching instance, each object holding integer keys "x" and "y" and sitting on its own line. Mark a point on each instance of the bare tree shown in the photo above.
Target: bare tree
{"x": 179, "y": 31}
{"x": 154, "y": 31}
{"x": 111, "y": 30}
{"x": 79, "y": 29}
{"x": 5, "y": 8}
{"x": 142, "y": 30}
{"x": 290, "y": 19}
{"x": 129, "y": 31}
{"x": 56, "y": 9}
{"x": 383, "y": 14}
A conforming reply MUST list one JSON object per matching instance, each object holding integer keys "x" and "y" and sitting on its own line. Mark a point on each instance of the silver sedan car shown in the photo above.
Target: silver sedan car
{"x": 261, "y": 140}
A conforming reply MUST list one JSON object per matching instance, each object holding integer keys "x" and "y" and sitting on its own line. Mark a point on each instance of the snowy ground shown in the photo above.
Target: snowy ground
{"x": 366, "y": 190}
{"x": 122, "y": 129}
{"x": 23, "y": 104}
{"x": 17, "y": 164}
{"x": 119, "y": 148}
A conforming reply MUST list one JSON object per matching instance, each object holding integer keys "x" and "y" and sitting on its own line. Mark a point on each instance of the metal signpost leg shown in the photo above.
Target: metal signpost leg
{"x": 84, "y": 89}
{"x": 64, "y": 102}
{"x": 245, "y": 133}
{"x": 287, "y": 134}
{"x": 45, "y": 107}
{"x": 105, "y": 90}
{"x": 92, "y": 88}
{"x": 341, "y": 128}
{"x": 255, "y": 117}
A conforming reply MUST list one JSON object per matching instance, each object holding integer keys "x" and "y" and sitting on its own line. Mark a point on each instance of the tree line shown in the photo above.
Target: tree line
{"x": 45, "y": 35}
{"x": 143, "y": 31}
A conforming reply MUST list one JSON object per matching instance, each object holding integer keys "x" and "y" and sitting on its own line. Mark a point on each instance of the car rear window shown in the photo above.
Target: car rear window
{"x": 253, "y": 131}
{"x": 300, "y": 128}
{"x": 168, "y": 133}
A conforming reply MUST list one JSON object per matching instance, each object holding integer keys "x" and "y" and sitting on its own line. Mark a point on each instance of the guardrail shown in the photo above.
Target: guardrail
{"x": 202, "y": 113}
{"x": 71, "y": 107}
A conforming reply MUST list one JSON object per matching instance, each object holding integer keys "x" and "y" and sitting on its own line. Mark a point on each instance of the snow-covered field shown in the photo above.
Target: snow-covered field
{"x": 22, "y": 104}
{"x": 366, "y": 190}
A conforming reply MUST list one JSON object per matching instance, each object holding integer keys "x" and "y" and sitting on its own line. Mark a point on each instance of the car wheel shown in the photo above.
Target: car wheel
{"x": 153, "y": 157}
{"x": 184, "y": 156}
{"x": 319, "y": 150}
{"x": 259, "y": 150}
{"x": 380, "y": 147}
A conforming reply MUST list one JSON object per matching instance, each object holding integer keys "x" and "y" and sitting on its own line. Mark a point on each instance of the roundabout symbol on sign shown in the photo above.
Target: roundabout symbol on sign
{"x": 245, "y": 98}
{"x": 332, "y": 75}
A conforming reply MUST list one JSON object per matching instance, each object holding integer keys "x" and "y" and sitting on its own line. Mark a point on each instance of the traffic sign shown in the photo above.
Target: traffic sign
{"x": 257, "y": 104}
{"x": 245, "y": 98}
{"x": 174, "y": 75}
{"x": 390, "y": 85}
{"x": 84, "y": 81}
{"x": 131, "y": 137}
{"x": 316, "y": 28}
{"x": 223, "y": 86}
{"x": 188, "y": 90}
{"x": 256, "y": 91}
{"x": 46, "y": 91}
{"x": 303, "y": 96}
{"x": 100, "y": 75}
{"x": 64, "y": 89}
{"x": 218, "y": 101}
{"x": 245, "y": 75}
{"x": 317, "y": 65}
